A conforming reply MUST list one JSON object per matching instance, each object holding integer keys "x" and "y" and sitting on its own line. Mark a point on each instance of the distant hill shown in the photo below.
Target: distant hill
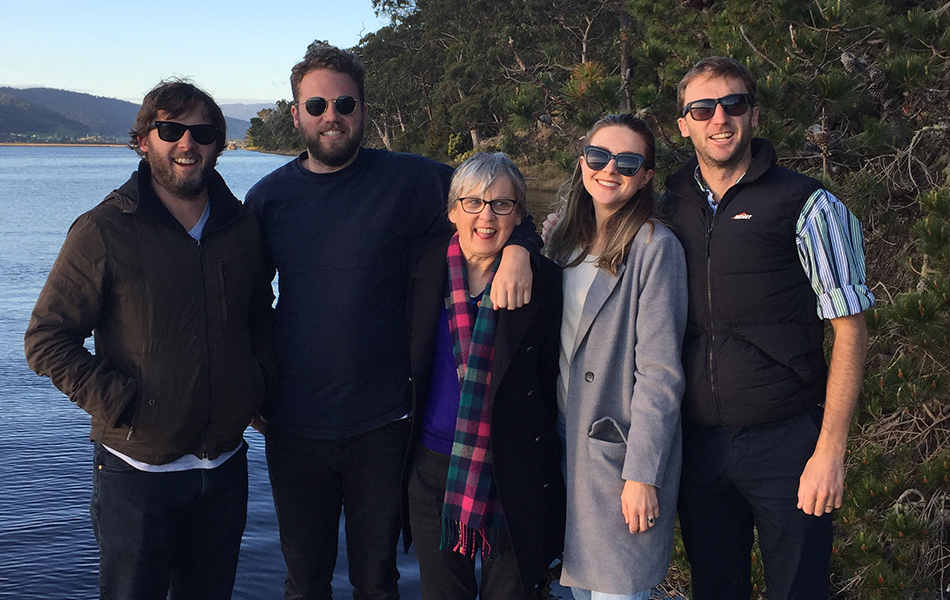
{"x": 106, "y": 116}
{"x": 17, "y": 116}
{"x": 95, "y": 115}
{"x": 236, "y": 128}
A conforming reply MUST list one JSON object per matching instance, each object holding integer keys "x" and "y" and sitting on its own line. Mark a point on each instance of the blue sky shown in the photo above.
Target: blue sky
{"x": 238, "y": 51}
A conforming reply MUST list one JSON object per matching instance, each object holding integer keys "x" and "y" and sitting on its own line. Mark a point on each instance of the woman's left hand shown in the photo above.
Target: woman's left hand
{"x": 639, "y": 505}
{"x": 511, "y": 286}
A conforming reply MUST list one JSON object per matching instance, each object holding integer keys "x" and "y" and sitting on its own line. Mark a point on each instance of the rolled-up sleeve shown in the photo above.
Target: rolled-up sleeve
{"x": 831, "y": 249}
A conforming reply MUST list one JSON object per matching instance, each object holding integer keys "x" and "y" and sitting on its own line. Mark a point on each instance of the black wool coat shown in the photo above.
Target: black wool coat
{"x": 525, "y": 446}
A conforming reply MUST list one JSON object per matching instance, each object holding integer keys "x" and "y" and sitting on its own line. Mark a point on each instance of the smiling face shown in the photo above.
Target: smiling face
{"x": 722, "y": 142}
{"x": 483, "y": 236}
{"x": 332, "y": 139}
{"x": 181, "y": 168}
{"x": 607, "y": 187}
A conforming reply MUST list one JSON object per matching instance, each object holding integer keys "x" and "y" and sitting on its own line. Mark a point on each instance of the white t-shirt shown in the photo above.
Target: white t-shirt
{"x": 576, "y": 282}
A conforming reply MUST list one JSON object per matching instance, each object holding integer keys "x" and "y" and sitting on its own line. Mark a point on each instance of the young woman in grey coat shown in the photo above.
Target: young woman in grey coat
{"x": 621, "y": 379}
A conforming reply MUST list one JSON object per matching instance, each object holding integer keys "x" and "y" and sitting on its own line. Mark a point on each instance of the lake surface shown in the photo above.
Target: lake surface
{"x": 47, "y": 548}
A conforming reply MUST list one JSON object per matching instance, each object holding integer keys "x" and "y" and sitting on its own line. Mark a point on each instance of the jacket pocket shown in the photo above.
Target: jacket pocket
{"x": 607, "y": 448}
{"x": 790, "y": 345}
{"x": 606, "y": 429}
{"x": 223, "y": 283}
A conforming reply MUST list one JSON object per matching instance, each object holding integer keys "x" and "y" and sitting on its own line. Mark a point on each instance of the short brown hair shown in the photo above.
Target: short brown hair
{"x": 330, "y": 58}
{"x": 717, "y": 66}
{"x": 176, "y": 97}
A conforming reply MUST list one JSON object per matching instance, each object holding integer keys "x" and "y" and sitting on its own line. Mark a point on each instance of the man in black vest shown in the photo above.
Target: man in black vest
{"x": 770, "y": 256}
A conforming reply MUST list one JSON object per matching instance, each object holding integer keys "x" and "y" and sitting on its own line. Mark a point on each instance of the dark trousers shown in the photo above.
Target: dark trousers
{"x": 175, "y": 534}
{"x": 737, "y": 478}
{"x": 443, "y": 574}
{"x": 312, "y": 480}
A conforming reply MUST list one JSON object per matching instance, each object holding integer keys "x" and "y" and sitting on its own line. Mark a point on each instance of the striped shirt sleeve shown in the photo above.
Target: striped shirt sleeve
{"x": 831, "y": 249}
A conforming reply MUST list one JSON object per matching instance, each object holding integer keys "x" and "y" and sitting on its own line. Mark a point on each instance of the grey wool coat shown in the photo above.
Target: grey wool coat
{"x": 623, "y": 416}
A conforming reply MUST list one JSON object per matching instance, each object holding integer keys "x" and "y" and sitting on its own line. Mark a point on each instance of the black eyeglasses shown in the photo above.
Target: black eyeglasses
{"x": 499, "y": 206}
{"x": 628, "y": 163}
{"x": 170, "y": 131}
{"x": 316, "y": 106}
{"x": 733, "y": 105}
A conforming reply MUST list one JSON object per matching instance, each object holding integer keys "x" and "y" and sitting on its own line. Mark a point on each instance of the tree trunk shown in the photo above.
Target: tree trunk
{"x": 624, "y": 56}
{"x": 476, "y": 138}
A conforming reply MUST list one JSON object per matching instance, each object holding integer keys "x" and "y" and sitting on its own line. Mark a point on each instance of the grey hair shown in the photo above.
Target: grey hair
{"x": 476, "y": 174}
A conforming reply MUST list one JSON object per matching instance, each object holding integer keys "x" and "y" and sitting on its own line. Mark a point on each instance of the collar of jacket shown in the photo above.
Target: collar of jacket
{"x": 430, "y": 266}
{"x": 137, "y": 196}
{"x": 683, "y": 184}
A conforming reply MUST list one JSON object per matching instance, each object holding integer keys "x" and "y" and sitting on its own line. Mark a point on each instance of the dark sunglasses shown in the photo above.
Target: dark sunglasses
{"x": 628, "y": 163}
{"x": 733, "y": 105}
{"x": 170, "y": 131}
{"x": 499, "y": 206}
{"x": 345, "y": 105}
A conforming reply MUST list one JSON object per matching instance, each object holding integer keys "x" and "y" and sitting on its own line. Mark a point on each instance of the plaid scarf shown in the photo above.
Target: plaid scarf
{"x": 471, "y": 513}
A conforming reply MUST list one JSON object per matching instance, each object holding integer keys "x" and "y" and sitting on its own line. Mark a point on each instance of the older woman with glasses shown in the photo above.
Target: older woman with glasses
{"x": 482, "y": 470}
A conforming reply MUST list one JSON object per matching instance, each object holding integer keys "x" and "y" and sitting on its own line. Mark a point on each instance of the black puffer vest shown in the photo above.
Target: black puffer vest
{"x": 753, "y": 349}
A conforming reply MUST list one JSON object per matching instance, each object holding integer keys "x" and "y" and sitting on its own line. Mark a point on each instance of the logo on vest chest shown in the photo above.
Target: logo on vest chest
{"x": 743, "y": 216}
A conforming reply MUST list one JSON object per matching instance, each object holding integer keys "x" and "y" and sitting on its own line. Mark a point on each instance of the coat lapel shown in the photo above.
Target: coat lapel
{"x": 510, "y": 330}
{"x": 600, "y": 289}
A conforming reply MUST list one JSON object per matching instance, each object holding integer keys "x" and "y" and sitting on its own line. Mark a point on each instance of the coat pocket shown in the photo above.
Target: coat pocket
{"x": 607, "y": 448}
{"x": 606, "y": 429}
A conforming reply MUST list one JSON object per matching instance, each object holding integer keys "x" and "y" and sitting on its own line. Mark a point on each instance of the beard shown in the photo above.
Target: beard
{"x": 182, "y": 187}
{"x": 734, "y": 158}
{"x": 333, "y": 155}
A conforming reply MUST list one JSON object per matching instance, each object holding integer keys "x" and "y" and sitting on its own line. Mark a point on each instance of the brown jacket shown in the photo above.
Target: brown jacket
{"x": 182, "y": 328}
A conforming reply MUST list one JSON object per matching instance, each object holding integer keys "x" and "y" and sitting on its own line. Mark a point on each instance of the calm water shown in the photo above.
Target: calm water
{"x": 47, "y": 549}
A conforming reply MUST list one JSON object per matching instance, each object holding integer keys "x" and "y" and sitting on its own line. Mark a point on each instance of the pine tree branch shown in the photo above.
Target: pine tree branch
{"x": 756, "y": 50}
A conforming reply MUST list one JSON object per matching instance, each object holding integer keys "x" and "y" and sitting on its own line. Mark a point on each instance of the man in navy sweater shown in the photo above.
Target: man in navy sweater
{"x": 337, "y": 222}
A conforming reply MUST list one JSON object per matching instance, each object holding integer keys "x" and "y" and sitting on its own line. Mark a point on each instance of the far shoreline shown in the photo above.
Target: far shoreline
{"x": 538, "y": 178}
{"x": 63, "y": 144}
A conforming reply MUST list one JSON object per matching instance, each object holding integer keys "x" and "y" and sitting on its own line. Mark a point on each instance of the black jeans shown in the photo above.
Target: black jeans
{"x": 447, "y": 575}
{"x": 175, "y": 533}
{"x": 312, "y": 480}
{"x": 737, "y": 478}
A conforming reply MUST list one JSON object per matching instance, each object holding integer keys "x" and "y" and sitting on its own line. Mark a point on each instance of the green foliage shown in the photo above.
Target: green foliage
{"x": 898, "y": 468}
{"x": 273, "y": 129}
{"x": 523, "y": 107}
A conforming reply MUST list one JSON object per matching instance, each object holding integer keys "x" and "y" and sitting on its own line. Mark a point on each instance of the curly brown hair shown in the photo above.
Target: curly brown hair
{"x": 330, "y": 58}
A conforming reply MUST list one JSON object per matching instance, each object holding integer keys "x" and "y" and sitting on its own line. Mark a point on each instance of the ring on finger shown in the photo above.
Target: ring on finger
{"x": 651, "y": 521}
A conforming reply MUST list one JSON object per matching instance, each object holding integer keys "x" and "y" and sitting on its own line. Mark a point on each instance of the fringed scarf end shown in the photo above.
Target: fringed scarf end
{"x": 465, "y": 540}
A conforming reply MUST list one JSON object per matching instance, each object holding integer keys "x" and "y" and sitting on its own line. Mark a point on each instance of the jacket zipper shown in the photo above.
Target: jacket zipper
{"x": 714, "y": 394}
{"x": 203, "y": 446}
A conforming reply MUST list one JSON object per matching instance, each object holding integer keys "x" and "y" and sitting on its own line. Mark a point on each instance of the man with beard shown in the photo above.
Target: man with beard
{"x": 337, "y": 224}
{"x": 770, "y": 256}
{"x": 168, "y": 272}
